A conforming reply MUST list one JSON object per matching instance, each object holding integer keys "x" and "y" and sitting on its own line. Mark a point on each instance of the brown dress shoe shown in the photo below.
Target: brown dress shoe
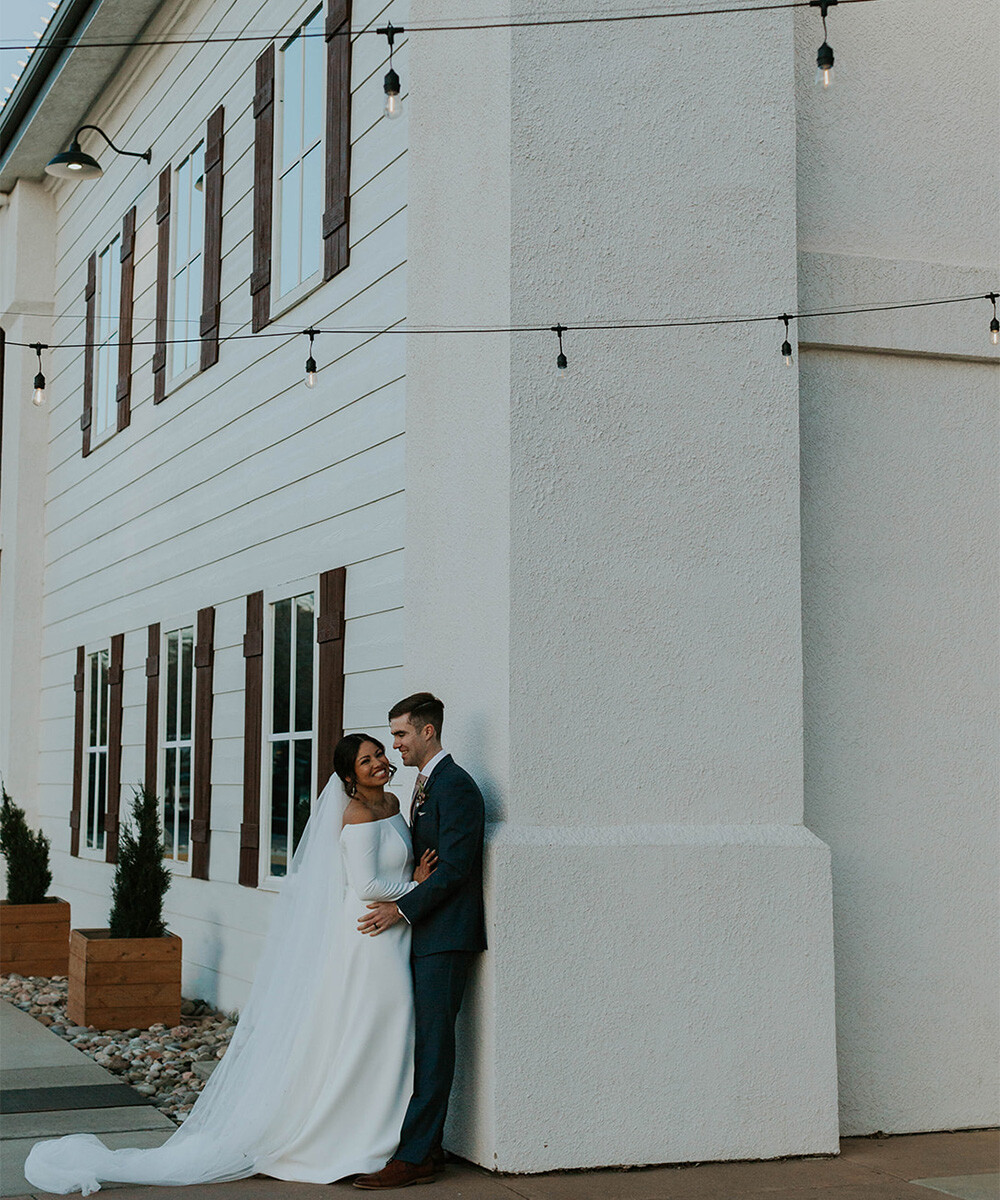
{"x": 397, "y": 1174}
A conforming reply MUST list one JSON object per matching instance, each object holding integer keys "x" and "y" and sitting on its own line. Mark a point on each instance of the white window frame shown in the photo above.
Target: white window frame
{"x": 296, "y": 292}
{"x": 107, "y": 330}
{"x": 178, "y": 866}
{"x": 186, "y": 325}
{"x": 271, "y": 597}
{"x": 93, "y": 840}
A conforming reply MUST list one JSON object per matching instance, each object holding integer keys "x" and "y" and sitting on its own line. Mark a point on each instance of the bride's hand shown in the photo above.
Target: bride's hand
{"x": 426, "y": 867}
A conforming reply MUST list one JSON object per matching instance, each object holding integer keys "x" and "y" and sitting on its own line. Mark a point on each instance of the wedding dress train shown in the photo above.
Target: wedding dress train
{"x": 317, "y": 1077}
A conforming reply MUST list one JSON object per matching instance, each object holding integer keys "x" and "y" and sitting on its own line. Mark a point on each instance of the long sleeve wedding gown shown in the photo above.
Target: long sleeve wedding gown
{"x": 318, "y": 1075}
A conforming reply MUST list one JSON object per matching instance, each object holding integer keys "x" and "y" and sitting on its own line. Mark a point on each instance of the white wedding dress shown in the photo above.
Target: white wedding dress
{"x": 317, "y": 1077}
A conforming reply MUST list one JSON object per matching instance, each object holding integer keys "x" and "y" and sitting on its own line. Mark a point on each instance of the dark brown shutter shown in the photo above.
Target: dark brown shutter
{"x": 115, "y": 676}
{"x": 90, "y": 295}
{"x": 336, "y": 251}
{"x": 152, "y": 707}
{"x": 212, "y": 266}
{"x": 263, "y": 170}
{"x": 162, "y": 287}
{"x": 124, "y": 394}
{"x": 201, "y": 797}
{"x": 330, "y": 636}
{"x": 78, "y": 730}
{"x": 253, "y": 699}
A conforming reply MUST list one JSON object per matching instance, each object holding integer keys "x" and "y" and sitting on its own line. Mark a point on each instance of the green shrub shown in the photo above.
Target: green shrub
{"x": 27, "y": 855}
{"x": 141, "y": 876}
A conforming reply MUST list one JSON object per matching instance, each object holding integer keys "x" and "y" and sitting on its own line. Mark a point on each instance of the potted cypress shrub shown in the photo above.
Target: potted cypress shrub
{"x": 34, "y": 927}
{"x": 128, "y": 976}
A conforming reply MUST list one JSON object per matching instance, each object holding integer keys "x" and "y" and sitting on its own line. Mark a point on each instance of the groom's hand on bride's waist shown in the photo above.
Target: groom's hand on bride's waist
{"x": 381, "y": 915}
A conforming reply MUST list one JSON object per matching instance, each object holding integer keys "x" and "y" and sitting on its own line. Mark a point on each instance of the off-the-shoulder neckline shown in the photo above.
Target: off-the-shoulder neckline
{"x": 362, "y": 824}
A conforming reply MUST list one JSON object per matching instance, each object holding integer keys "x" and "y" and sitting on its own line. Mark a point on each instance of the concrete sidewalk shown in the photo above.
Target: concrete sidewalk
{"x": 49, "y": 1088}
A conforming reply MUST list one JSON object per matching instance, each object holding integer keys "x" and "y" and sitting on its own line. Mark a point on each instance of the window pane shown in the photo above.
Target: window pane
{"x": 303, "y": 781}
{"x": 290, "y": 222}
{"x": 91, "y": 799}
{"x": 102, "y": 791}
{"x": 183, "y": 804}
{"x": 282, "y": 666}
{"x": 187, "y": 677}
{"x": 103, "y": 702}
{"x": 291, "y": 102}
{"x": 95, "y": 689}
{"x": 314, "y": 89}
{"x": 171, "y": 706}
{"x": 304, "y": 639}
{"x": 169, "y": 801}
{"x": 311, "y": 235}
{"x": 279, "y": 808}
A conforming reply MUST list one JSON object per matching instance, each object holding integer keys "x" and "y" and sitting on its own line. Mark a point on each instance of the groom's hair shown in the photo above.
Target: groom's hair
{"x": 423, "y": 709}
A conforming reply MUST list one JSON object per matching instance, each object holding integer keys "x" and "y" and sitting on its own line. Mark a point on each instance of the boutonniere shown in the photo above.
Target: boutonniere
{"x": 420, "y": 796}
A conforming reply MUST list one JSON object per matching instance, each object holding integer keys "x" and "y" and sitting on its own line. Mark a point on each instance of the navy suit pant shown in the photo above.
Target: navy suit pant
{"x": 438, "y": 987}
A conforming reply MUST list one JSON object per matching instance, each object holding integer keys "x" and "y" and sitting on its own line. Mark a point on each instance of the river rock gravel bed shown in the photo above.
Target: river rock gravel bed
{"x": 169, "y": 1065}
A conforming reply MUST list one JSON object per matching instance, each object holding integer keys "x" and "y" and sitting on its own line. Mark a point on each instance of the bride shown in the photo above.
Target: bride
{"x": 317, "y": 1077}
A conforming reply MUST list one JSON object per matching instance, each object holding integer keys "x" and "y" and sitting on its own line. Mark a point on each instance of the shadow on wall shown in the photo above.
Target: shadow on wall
{"x": 476, "y": 739}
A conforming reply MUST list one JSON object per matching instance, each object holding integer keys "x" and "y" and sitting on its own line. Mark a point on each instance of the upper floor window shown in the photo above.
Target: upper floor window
{"x": 106, "y": 337}
{"x": 186, "y": 276}
{"x": 96, "y": 762}
{"x": 300, "y": 155}
{"x": 178, "y": 744}
{"x": 291, "y": 733}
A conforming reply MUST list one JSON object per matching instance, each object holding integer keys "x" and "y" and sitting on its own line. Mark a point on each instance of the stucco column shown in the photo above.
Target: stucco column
{"x": 603, "y": 583}
{"x": 27, "y": 248}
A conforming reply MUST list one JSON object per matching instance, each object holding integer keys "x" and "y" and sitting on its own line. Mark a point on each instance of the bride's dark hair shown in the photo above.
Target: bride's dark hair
{"x": 345, "y": 754}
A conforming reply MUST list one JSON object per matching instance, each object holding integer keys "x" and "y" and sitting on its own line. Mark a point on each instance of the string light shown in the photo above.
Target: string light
{"x": 824, "y": 56}
{"x": 994, "y": 324}
{"x": 786, "y": 345}
{"x": 561, "y": 362}
{"x": 310, "y": 361}
{"x": 38, "y": 394}
{"x": 393, "y": 102}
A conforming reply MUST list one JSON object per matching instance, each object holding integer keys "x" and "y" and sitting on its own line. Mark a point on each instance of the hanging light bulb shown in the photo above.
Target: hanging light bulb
{"x": 38, "y": 394}
{"x": 994, "y": 324}
{"x": 786, "y": 345}
{"x": 310, "y": 361}
{"x": 393, "y": 100}
{"x": 561, "y": 362}
{"x": 824, "y": 56}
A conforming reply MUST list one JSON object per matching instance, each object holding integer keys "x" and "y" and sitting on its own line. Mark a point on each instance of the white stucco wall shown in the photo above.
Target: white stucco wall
{"x": 899, "y": 514}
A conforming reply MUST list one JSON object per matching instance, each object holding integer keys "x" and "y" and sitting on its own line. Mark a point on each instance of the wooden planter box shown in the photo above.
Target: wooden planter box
{"x": 34, "y": 938}
{"x": 123, "y": 983}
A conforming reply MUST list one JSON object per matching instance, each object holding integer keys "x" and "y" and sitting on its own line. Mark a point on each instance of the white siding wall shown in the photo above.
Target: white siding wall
{"x": 242, "y": 479}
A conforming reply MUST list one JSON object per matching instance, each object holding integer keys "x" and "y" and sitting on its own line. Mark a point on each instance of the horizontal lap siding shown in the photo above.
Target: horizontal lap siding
{"x": 243, "y": 479}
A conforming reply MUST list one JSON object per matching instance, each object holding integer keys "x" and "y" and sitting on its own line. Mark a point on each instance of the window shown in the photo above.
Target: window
{"x": 300, "y": 160}
{"x": 96, "y": 767}
{"x": 178, "y": 744}
{"x": 186, "y": 276}
{"x": 290, "y": 740}
{"x": 106, "y": 329}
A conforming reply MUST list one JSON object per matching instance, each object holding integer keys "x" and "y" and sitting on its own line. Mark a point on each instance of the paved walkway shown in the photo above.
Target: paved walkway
{"x": 48, "y": 1087}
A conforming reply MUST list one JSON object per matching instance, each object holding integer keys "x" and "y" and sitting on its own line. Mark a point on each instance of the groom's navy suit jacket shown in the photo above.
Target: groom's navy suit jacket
{"x": 446, "y": 911}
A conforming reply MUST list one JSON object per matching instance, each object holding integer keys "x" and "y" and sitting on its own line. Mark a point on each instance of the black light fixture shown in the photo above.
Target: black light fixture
{"x": 561, "y": 362}
{"x": 310, "y": 361}
{"x": 38, "y": 394}
{"x": 994, "y": 324}
{"x": 824, "y": 56}
{"x": 786, "y": 345}
{"x": 75, "y": 164}
{"x": 393, "y": 103}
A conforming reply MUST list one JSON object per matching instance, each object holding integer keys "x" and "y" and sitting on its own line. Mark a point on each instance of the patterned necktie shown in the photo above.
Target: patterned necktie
{"x": 417, "y": 797}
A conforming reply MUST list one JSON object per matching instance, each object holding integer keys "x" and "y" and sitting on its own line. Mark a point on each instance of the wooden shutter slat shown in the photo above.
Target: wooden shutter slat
{"x": 152, "y": 707}
{"x": 263, "y": 170}
{"x": 124, "y": 393}
{"x": 212, "y": 271}
{"x": 78, "y": 729}
{"x": 162, "y": 287}
{"x": 201, "y": 791}
{"x": 330, "y": 636}
{"x": 88, "y": 354}
{"x": 115, "y": 679}
{"x": 253, "y": 702}
{"x": 336, "y": 248}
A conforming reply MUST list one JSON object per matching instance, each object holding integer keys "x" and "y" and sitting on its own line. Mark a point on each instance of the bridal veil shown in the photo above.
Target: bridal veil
{"x": 236, "y": 1124}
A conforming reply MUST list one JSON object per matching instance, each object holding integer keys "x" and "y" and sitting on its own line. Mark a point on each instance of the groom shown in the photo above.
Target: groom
{"x": 446, "y": 912}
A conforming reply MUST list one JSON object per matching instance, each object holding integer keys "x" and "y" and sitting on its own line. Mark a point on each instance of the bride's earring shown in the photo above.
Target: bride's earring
{"x": 352, "y": 788}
